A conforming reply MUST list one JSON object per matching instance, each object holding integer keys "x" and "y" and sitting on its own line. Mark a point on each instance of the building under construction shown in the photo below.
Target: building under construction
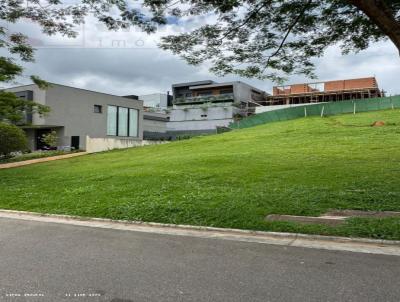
{"x": 330, "y": 91}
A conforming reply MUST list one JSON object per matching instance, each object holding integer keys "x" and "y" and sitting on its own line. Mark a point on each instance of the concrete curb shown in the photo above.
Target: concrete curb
{"x": 361, "y": 245}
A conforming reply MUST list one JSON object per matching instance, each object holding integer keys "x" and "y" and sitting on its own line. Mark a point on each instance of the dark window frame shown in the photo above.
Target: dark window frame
{"x": 226, "y": 91}
{"x": 205, "y": 93}
{"x": 99, "y": 107}
{"x": 128, "y": 122}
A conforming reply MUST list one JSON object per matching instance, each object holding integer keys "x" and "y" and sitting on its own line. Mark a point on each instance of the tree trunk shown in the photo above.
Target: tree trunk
{"x": 380, "y": 14}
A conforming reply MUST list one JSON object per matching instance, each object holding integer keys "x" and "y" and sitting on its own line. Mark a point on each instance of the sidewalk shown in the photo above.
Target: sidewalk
{"x": 39, "y": 160}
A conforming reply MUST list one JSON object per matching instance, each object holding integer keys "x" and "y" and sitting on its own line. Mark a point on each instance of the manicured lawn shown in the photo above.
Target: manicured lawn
{"x": 301, "y": 167}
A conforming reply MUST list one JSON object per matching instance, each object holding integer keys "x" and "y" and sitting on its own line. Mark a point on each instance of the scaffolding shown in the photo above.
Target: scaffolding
{"x": 330, "y": 91}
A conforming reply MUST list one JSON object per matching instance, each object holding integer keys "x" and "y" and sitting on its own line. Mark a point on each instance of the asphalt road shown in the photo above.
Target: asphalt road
{"x": 54, "y": 262}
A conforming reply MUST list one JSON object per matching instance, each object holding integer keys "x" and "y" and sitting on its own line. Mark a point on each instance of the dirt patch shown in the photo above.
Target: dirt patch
{"x": 378, "y": 124}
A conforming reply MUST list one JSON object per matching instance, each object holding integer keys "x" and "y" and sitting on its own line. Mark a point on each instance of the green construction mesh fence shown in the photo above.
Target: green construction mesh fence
{"x": 321, "y": 109}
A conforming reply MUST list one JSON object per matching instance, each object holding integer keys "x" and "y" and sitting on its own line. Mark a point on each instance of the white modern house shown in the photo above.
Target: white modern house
{"x": 200, "y": 107}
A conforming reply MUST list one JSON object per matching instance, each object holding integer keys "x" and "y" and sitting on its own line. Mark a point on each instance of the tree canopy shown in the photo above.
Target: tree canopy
{"x": 14, "y": 109}
{"x": 271, "y": 39}
{"x": 267, "y": 39}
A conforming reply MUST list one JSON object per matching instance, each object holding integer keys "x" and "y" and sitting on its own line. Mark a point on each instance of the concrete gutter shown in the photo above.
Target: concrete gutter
{"x": 359, "y": 245}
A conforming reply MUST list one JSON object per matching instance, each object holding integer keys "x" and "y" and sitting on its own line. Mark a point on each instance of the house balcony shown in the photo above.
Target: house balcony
{"x": 226, "y": 97}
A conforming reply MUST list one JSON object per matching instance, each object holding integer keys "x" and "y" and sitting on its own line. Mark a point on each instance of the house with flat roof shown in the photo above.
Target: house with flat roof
{"x": 202, "y": 106}
{"x": 79, "y": 116}
{"x": 209, "y": 91}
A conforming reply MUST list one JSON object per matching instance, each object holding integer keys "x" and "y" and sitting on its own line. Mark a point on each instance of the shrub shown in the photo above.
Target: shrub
{"x": 50, "y": 139}
{"x": 12, "y": 139}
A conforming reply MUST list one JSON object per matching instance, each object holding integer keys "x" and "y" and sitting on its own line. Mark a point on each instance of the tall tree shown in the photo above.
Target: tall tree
{"x": 251, "y": 38}
{"x": 271, "y": 39}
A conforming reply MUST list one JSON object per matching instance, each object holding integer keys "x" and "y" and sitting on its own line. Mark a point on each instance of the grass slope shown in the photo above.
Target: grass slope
{"x": 300, "y": 167}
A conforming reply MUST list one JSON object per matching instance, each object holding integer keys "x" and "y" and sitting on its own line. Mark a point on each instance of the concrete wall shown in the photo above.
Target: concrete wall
{"x": 195, "y": 112}
{"x": 262, "y": 109}
{"x": 198, "y": 125}
{"x": 105, "y": 144}
{"x": 155, "y": 125}
{"x": 241, "y": 92}
{"x": 244, "y": 92}
{"x": 39, "y": 96}
{"x": 200, "y": 118}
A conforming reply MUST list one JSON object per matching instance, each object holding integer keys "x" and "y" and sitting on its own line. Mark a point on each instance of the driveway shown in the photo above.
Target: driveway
{"x": 55, "y": 262}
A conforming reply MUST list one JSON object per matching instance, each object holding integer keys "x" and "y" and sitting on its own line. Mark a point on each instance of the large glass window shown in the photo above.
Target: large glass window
{"x": 133, "y": 122}
{"x": 122, "y": 121}
{"x": 111, "y": 120}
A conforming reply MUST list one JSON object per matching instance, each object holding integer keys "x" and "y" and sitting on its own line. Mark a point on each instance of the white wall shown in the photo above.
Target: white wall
{"x": 105, "y": 144}
{"x": 195, "y": 113}
{"x": 188, "y": 118}
{"x": 262, "y": 109}
{"x": 198, "y": 125}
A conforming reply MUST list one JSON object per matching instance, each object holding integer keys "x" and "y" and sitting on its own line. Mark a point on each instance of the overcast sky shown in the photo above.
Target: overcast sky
{"x": 129, "y": 62}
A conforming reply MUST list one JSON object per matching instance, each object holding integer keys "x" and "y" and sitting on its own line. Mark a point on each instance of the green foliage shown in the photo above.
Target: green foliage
{"x": 299, "y": 167}
{"x": 50, "y": 139}
{"x": 264, "y": 39}
{"x": 8, "y": 69}
{"x": 271, "y": 39}
{"x": 13, "y": 109}
{"x": 12, "y": 139}
{"x": 42, "y": 84}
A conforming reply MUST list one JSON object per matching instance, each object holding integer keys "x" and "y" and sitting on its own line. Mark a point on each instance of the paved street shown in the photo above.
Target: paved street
{"x": 56, "y": 262}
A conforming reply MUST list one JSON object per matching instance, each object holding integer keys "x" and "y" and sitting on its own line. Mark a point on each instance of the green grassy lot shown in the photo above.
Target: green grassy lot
{"x": 300, "y": 167}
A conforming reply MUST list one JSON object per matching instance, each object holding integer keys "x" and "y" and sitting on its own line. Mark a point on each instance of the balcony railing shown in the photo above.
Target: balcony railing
{"x": 204, "y": 99}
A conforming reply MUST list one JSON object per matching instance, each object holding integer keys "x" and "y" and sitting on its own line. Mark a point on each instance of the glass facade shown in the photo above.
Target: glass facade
{"x": 122, "y": 121}
{"x": 112, "y": 120}
{"x": 133, "y": 122}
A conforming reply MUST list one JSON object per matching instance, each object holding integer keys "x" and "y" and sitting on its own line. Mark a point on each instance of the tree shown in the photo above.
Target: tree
{"x": 56, "y": 16}
{"x": 252, "y": 38}
{"x": 50, "y": 139}
{"x": 12, "y": 139}
{"x": 14, "y": 109}
{"x": 272, "y": 39}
